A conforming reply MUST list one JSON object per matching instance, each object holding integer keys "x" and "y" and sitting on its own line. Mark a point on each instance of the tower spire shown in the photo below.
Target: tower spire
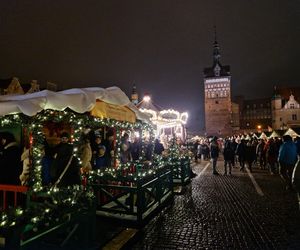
{"x": 134, "y": 95}
{"x": 216, "y": 51}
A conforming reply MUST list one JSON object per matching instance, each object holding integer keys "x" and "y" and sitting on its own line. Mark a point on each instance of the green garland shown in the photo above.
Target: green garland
{"x": 77, "y": 121}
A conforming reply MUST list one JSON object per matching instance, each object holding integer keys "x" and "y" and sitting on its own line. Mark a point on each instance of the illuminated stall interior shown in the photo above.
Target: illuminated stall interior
{"x": 168, "y": 123}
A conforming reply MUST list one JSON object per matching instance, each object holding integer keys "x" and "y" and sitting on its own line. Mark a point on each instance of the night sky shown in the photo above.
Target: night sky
{"x": 160, "y": 45}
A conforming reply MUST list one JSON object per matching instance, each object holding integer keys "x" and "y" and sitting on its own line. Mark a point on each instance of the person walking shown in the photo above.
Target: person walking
{"x": 261, "y": 153}
{"x": 228, "y": 157}
{"x": 287, "y": 159}
{"x": 250, "y": 154}
{"x": 195, "y": 150}
{"x": 214, "y": 154}
{"x": 271, "y": 155}
{"x": 241, "y": 153}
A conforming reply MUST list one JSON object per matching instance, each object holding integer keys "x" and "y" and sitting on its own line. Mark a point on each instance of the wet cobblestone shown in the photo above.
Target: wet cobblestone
{"x": 226, "y": 212}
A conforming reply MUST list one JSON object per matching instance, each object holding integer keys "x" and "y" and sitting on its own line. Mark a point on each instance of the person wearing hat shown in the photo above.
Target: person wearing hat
{"x": 287, "y": 159}
{"x": 63, "y": 159}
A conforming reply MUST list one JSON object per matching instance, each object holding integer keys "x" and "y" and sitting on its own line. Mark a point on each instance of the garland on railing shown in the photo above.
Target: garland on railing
{"x": 35, "y": 125}
{"x": 57, "y": 203}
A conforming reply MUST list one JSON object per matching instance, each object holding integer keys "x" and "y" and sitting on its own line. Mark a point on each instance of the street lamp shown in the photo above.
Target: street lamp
{"x": 258, "y": 128}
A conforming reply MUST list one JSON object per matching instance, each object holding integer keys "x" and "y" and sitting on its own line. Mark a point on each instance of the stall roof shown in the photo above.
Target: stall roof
{"x": 79, "y": 100}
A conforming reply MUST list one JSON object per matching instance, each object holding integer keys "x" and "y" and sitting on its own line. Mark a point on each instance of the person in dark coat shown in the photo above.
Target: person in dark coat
{"x": 250, "y": 154}
{"x": 214, "y": 154}
{"x": 287, "y": 159}
{"x": 136, "y": 149}
{"x": 228, "y": 157}
{"x": 271, "y": 154}
{"x": 10, "y": 160}
{"x": 110, "y": 148}
{"x": 62, "y": 155}
{"x": 158, "y": 147}
{"x": 241, "y": 153}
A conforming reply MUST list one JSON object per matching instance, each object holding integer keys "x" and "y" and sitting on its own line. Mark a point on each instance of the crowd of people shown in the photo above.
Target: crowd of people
{"x": 276, "y": 155}
{"x": 60, "y": 167}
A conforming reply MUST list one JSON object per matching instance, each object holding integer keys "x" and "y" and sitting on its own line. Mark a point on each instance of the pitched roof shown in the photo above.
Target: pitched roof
{"x": 4, "y": 83}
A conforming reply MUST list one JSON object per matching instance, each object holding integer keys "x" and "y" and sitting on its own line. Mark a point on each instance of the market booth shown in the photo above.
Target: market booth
{"x": 133, "y": 190}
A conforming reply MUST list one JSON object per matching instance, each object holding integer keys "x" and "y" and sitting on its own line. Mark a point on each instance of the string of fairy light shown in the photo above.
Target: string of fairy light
{"x": 78, "y": 123}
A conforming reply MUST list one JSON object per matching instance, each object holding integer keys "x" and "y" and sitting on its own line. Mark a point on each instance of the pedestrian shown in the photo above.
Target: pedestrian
{"x": 214, "y": 154}
{"x": 250, "y": 154}
{"x": 287, "y": 159}
{"x": 261, "y": 153}
{"x": 228, "y": 157}
{"x": 233, "y": 147}
{"x": 195, "y": 150}
{"x": 297, "y": 142}
{"x": 271, "y": 155}
{"x": 241, "y": 153}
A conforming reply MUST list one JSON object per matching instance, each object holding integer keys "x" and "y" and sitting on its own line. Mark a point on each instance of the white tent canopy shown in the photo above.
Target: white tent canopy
{"x": 274, "y": 134}
{"x": 291, "y": 133}
{"x": 263, "y": 136}
{"x": 79, "y": 100}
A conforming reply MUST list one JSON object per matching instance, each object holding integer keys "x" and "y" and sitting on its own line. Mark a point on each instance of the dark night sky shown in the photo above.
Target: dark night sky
{"x": 161, "y": 45}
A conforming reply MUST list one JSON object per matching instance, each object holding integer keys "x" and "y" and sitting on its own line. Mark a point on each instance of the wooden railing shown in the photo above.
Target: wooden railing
{"x": 10, "y": 195}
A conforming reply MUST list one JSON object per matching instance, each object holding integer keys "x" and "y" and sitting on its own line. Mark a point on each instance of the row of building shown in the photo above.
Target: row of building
{"x": 224, "y": 114}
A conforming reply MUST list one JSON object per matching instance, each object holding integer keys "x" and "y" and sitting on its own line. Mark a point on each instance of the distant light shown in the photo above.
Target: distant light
{"x": 146, "y": 98}
{"x": 136, "y": 134}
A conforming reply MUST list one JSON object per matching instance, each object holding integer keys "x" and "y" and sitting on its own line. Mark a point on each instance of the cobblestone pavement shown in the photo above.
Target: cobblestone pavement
{"x": 226, "y": 212}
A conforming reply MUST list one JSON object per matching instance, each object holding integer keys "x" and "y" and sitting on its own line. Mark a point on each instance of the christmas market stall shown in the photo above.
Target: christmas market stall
{"x": 44, "y": 119}
{"x": 134, "y": 187}
{"x": 43, "y": 199}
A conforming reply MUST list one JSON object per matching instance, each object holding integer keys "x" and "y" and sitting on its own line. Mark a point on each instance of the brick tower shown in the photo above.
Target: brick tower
{"x": 217, "y": 97}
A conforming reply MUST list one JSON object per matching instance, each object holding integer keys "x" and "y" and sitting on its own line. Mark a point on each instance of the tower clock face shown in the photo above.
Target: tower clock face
{"x": 217, "y": 70}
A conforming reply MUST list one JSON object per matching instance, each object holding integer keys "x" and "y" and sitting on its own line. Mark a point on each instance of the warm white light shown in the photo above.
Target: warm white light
{"x": 146, "y": 98}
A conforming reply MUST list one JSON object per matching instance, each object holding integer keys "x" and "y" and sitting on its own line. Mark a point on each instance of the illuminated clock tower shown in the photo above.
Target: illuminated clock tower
{"x": 217, "y": 97}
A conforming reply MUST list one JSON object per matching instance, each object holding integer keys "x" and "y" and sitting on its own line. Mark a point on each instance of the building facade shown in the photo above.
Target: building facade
{"x": 285, "y": 113}
{"x": 217, "y": 97}
{"x": 255, "y": 114}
